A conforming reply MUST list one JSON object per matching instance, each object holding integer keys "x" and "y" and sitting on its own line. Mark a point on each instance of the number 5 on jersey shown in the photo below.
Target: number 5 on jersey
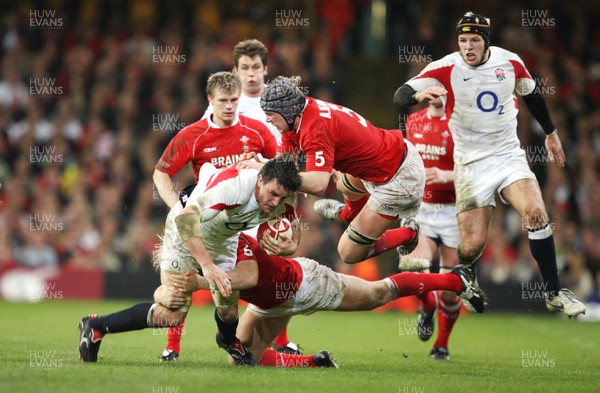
{"x": 319, "y": 159}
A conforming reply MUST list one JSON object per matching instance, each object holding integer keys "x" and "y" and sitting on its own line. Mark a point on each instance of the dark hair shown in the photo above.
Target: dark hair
{"x": 249, "y": 48}
{"x": 284, "y": 170}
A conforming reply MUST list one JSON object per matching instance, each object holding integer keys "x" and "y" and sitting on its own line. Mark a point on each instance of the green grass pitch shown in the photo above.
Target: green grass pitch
{"x": 377, "y": 352}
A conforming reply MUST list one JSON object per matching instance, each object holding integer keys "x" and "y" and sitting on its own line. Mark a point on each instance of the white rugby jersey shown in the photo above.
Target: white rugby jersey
{"x": 228, "y": 205}
{"x": 250, "y": 107}
{"x": 480, "y": 104}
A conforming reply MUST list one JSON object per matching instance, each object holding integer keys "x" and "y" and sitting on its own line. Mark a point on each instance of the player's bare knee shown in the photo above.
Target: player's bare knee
{"x": 163, "y": 317}
{"x": 449, "y": 296}
{"x": 350, "y": 256}
{"x": 228, "y": 315}
{"x": 472, "y": 246}
{"x": 469, "y": 252}
{"x": 536, "y": 217}
{"x": 381, "y": 295}
{"x": 354, "y": 246}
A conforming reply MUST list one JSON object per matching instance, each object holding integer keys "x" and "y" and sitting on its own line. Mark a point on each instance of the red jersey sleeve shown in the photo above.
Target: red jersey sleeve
{"x": 270, "y": 148}
{"x": 176, "y": 155}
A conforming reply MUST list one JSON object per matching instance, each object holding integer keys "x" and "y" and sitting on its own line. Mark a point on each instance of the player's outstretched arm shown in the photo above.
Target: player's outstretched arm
{"x": 188, "y": 225}
{"x": 314, "y": 182}
{"x": 244, "y": 276}
{"x": 407, "y": 96}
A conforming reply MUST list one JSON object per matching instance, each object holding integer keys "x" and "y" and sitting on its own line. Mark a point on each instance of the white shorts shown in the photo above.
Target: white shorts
{"x": 321, "y": 289}
{"x": 438, "y": 222}
{"x": 174, "y": 256}
{"x": 477, "y": 181}
{"x": 176, "y": 259}
{"x": 402, "y": 195}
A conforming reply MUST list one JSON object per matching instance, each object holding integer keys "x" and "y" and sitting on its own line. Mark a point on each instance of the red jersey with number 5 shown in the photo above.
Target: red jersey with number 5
{"x": 334, "y": 137}
{"x": 432, "y": 138}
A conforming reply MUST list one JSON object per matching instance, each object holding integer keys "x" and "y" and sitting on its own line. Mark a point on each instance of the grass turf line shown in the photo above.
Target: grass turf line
{"x": 378, "y": 352}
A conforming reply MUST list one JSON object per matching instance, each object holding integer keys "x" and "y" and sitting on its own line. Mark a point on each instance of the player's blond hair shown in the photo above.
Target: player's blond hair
{"x": 223, "y": 80}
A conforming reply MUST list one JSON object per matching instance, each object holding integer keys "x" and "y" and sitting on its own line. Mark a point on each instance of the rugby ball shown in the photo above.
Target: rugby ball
{"x": 275, "y": 228}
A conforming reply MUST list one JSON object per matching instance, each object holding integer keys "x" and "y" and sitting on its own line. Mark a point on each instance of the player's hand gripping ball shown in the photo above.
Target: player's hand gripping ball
{"x": 274, "y": 229}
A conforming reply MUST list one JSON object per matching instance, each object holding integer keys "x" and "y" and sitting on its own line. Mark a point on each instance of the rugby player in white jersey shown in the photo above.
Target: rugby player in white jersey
{"x": 204, "y": 235}
{"x": 478, "y": 83}
{"x": 250, "y": 64}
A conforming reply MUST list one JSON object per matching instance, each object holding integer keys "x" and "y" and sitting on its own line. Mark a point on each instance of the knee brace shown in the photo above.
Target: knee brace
{"x": 351, "y": 187}
{"x": 358, "y": 238}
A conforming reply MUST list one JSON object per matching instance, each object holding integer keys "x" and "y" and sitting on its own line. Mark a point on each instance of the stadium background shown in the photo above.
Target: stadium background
{"x": 92, "y": 91}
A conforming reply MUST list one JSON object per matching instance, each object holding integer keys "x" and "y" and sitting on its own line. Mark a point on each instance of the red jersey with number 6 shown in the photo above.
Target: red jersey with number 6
{"x": 432, "y": 138}
{"x": 279, "y": 278}
{"x": 334, "y": 137}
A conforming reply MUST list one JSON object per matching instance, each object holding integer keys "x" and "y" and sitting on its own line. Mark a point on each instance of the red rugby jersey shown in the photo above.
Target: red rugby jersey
{"x": 335, "y": 137}
{"x": 203, "y": 141}
{"x": 432, "y": 138}
{"x": 279, "y": 278}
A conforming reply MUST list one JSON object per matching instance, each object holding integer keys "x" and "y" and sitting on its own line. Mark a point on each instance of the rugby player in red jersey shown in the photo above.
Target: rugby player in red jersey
{"x": 383, "y": 173}
{"x": 278, "y": 288}
{"x": 438, "y": 229}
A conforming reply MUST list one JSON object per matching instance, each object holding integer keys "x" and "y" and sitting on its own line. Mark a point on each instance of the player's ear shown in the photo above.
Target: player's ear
{"x": 266, "y": 71}
{"x": 234, "y": 70}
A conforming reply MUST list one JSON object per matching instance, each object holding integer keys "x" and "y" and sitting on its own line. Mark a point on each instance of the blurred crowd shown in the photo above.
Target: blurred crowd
{"x": 91, "y": 93}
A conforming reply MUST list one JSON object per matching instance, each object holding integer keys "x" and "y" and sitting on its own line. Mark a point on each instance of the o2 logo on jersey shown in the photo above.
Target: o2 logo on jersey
{"x": 236, "y": 226}
{"x": 487, "y": 101}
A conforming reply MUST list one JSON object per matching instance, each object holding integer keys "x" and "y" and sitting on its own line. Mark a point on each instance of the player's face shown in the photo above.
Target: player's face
{"x": 278, "y": 122}
{"x": 270, "y": 195}
{"x": 224, "y": 106}
{"x": 472, "y": 48}
{"x": 251, "y": 71}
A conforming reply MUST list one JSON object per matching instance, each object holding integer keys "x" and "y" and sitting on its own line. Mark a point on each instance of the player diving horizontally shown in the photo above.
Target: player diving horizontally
{"x": 278, "y": 288}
